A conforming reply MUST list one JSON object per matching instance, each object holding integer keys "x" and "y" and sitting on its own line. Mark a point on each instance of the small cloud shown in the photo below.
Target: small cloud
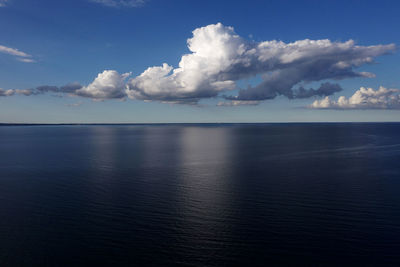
{"x": 9, "y": 92}
{"x": 234, "y": 103}
{"x": 364, "y": 98}
{"x": 120, "y": 3}
{"x": 25, "y": 92}
{"x": 26, "y": 60}
{"x": 13, "y": 51}
{"x": 21, "y": 56}
{"x": 74, "y": 104}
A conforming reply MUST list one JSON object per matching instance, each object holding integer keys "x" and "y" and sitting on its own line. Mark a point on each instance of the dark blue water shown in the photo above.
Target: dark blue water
{"x": 200, "y": 195}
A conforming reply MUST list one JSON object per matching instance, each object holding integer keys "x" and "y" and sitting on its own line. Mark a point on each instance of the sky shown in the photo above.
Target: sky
{"x": 150, "y": 61}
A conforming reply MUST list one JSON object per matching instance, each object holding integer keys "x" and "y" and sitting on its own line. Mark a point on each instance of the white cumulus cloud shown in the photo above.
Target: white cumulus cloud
{"x": 108, "y": 84}
{"x": 364, "y": 98}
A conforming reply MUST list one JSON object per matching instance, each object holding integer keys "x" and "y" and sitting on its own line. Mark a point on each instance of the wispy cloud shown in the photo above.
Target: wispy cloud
{"x": 21, "y": 56}
{"x": 74, "y": 104}
{"x": 120, "y": 3}
{"x": 13, "y": 51}
{"x": 26, "y": 60}
{"x": 3, "y": 3}
{"x": 235, "y": 103}
{"x": 364, "y": 98}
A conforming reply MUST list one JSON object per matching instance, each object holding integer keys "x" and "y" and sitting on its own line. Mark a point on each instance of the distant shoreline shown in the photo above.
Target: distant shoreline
{"x": 187, "y": 123}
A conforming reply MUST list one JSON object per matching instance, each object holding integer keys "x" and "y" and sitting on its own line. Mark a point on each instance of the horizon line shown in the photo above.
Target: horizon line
{"x": 186, "y": 123}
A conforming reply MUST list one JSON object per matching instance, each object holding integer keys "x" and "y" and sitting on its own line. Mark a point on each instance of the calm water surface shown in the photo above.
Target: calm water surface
{"x": 200, "y": 195}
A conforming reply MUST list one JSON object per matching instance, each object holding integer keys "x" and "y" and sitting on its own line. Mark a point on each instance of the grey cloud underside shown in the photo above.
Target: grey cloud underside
{"x": 325, "y": 89}
{"x": 178, "y": 98}
{"x": 282, "y": 82}
{"x": 6, "y": 92}
{"x": 70, "y": 88}
{"x": 219, "y": 58}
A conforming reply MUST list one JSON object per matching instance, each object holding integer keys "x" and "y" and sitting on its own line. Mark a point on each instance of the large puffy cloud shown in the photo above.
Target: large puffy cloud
{"x": 219, "y": 58}
{"x": 364, "y": 98}
{"x": 214, "y": 48}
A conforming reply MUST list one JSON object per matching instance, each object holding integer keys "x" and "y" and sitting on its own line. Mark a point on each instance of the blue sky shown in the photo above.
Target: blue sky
{"x": 74, "y": 41}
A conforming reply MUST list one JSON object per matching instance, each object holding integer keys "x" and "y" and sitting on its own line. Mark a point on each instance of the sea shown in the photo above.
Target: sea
{"x": 289, "y": 194}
